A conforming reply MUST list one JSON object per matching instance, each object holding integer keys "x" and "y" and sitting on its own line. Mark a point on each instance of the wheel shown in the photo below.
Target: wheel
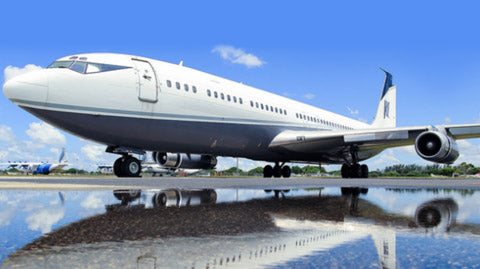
{"x": 286, "y": 171}
{"x": 277, "y": 171}
{"x": 355, "y": 171}
{"x": 117, "y": 167}
{"x": 131, "y": 167}
{"x": 267, "y": 171}
{"x": 363, "y": 171}
{"x": 345, "y": 170}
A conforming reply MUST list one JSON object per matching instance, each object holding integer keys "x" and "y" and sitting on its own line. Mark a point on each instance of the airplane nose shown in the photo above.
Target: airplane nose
{"x": 30, "y": 86}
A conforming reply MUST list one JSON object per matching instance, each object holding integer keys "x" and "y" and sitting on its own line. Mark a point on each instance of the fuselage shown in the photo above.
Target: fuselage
{"x": 124, "y": 100}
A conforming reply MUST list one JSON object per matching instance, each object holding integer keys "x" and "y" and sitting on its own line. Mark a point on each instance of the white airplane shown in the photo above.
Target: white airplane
{"x": 187, "y": 117}
{"x": 38, "y": 167}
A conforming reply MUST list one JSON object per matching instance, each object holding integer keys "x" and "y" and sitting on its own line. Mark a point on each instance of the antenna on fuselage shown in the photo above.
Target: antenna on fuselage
{"x": 180, "y": 63}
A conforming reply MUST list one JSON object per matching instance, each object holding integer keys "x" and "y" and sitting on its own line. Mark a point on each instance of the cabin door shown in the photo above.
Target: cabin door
{"x": 146, "y": 81}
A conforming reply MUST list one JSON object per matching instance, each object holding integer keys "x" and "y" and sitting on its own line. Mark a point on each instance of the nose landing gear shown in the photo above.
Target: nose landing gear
{"x": 127, "y": 166}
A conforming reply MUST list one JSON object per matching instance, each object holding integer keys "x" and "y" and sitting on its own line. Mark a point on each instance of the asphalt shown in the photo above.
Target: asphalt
{"x": 110, "y": 183}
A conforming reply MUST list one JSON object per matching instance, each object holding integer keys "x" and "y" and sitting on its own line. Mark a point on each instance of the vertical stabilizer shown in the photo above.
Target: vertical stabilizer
{"x": 62, "y": 158}
{"x": 387, "y": 107}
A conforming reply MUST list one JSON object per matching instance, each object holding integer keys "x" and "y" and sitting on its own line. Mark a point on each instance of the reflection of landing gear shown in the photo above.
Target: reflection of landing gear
{"x": 127, "y": 166}
{"x": 277, "y": 171}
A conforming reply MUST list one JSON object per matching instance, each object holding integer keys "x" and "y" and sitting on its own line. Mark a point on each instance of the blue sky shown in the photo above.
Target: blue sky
{"x": 325, "y": 54}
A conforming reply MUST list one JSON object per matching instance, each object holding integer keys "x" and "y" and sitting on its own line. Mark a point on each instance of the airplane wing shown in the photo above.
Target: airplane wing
{"x": 311, "y": 142}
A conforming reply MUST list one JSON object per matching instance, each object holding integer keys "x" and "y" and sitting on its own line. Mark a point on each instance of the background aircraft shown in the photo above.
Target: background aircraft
{"x": 39, "y": 167}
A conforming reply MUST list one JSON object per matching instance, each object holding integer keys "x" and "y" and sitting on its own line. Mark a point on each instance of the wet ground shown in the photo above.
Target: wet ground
{"x": 315, "y": 227}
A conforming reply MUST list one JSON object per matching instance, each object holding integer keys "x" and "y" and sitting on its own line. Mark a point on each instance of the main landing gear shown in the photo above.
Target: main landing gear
{"x": 354, "y": 171}
{"x": 277, "y": 171}
{"x": 127, "y": 166}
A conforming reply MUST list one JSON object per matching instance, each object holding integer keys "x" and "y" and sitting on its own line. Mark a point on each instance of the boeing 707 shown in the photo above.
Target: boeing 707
{"x": 187, "y": 118}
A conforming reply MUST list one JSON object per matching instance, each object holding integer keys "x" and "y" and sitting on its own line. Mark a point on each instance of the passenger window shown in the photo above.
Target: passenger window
{"x": 169, "y": 83}
{"x": 194, "y": 89}
{"x": 177, "y": 85}
{"x": 251, "y": 103}
{"x": 266, "y": 107}
{"x": 285, "y": 111}
{"x": 215, "y": 94}
{"x": 261, "y": 105}
{"x": 228, "y": 97}
{"x": 209, "y": 93}
{"x": 256, "y": 104}
{"x": 186, "y": 87}
{"x": 222, "y": 96}
{"x": 234, "y": 99}
{"x": 240, "y": 100}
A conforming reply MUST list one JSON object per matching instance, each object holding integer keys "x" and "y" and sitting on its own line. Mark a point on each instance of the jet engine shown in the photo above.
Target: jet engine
{"x": 437, "y": 147}
{"x": 184, "y": 160}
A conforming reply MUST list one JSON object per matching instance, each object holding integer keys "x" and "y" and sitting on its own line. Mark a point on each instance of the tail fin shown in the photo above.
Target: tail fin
{"x": 62, "y": 158}
{"x": 387, "y": 107}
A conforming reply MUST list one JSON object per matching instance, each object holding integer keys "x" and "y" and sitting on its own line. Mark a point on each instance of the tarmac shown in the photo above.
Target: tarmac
{"x": 111, "y": 183}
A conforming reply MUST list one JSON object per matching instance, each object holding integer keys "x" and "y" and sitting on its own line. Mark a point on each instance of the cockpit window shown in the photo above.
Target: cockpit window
{"x": 60, "y": 64}
{"x": 79, "y": 67}
{"x": 86, "y": 67}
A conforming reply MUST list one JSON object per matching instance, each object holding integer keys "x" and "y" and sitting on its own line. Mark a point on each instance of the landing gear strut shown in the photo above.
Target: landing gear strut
{"x": 277, "y": 171}
{"x": 127, "y": 166}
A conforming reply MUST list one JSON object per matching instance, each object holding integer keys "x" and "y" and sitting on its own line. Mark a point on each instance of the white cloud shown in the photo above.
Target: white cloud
{"x": 12, "y": 71}
{"x": 93, "y": 152}
{"x": 43, "y": 133}
{"x": 387, "y": 158}
{"x": 6, "y": 134}
{"x": 353, "y": 112}
{"x": 309, "y": 96}
{"x": 469, "y": 152}
{"x": 238, "y": 56}
{"x": 43, "y": 219}
{"x": 7, "y": 215}
{"x": 92, "y": 202}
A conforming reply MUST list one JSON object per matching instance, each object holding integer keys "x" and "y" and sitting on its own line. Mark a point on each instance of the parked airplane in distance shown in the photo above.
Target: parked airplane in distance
{"x": 39, "y": 167}
{"x": 187, "y": 117}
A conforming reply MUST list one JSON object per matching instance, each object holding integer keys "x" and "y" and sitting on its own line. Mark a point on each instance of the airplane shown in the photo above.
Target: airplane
{"x": 187, "y": 118}
{"x": 39, "y": 167}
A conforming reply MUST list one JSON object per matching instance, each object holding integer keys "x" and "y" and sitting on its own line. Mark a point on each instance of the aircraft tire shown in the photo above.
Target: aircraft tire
{"x": 355, "y": 171}
{"x": 117, "y": 167}
{"x": 267, "y": 171}
{"x": 363, "y": 171}
{"x": 345, "y": 170}
{"x": 277, "y": 171}
{"x": 286, "y": 171}
{"x": 131, "y": 167}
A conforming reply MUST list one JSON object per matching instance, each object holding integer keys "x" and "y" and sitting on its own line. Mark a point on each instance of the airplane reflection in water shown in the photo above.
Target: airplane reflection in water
{"x": 188, "y": 229}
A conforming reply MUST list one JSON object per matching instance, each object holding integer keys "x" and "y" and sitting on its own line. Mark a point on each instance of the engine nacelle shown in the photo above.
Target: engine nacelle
{"x": 437, "y": 147}
{"x": 183, "y": 160}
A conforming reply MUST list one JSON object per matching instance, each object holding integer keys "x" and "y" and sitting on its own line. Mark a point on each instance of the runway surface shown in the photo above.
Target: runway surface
{"x": 109, "y": 183}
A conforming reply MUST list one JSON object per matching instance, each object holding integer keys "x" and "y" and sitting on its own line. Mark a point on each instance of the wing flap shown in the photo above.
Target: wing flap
{"x": 318, "y": 141}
